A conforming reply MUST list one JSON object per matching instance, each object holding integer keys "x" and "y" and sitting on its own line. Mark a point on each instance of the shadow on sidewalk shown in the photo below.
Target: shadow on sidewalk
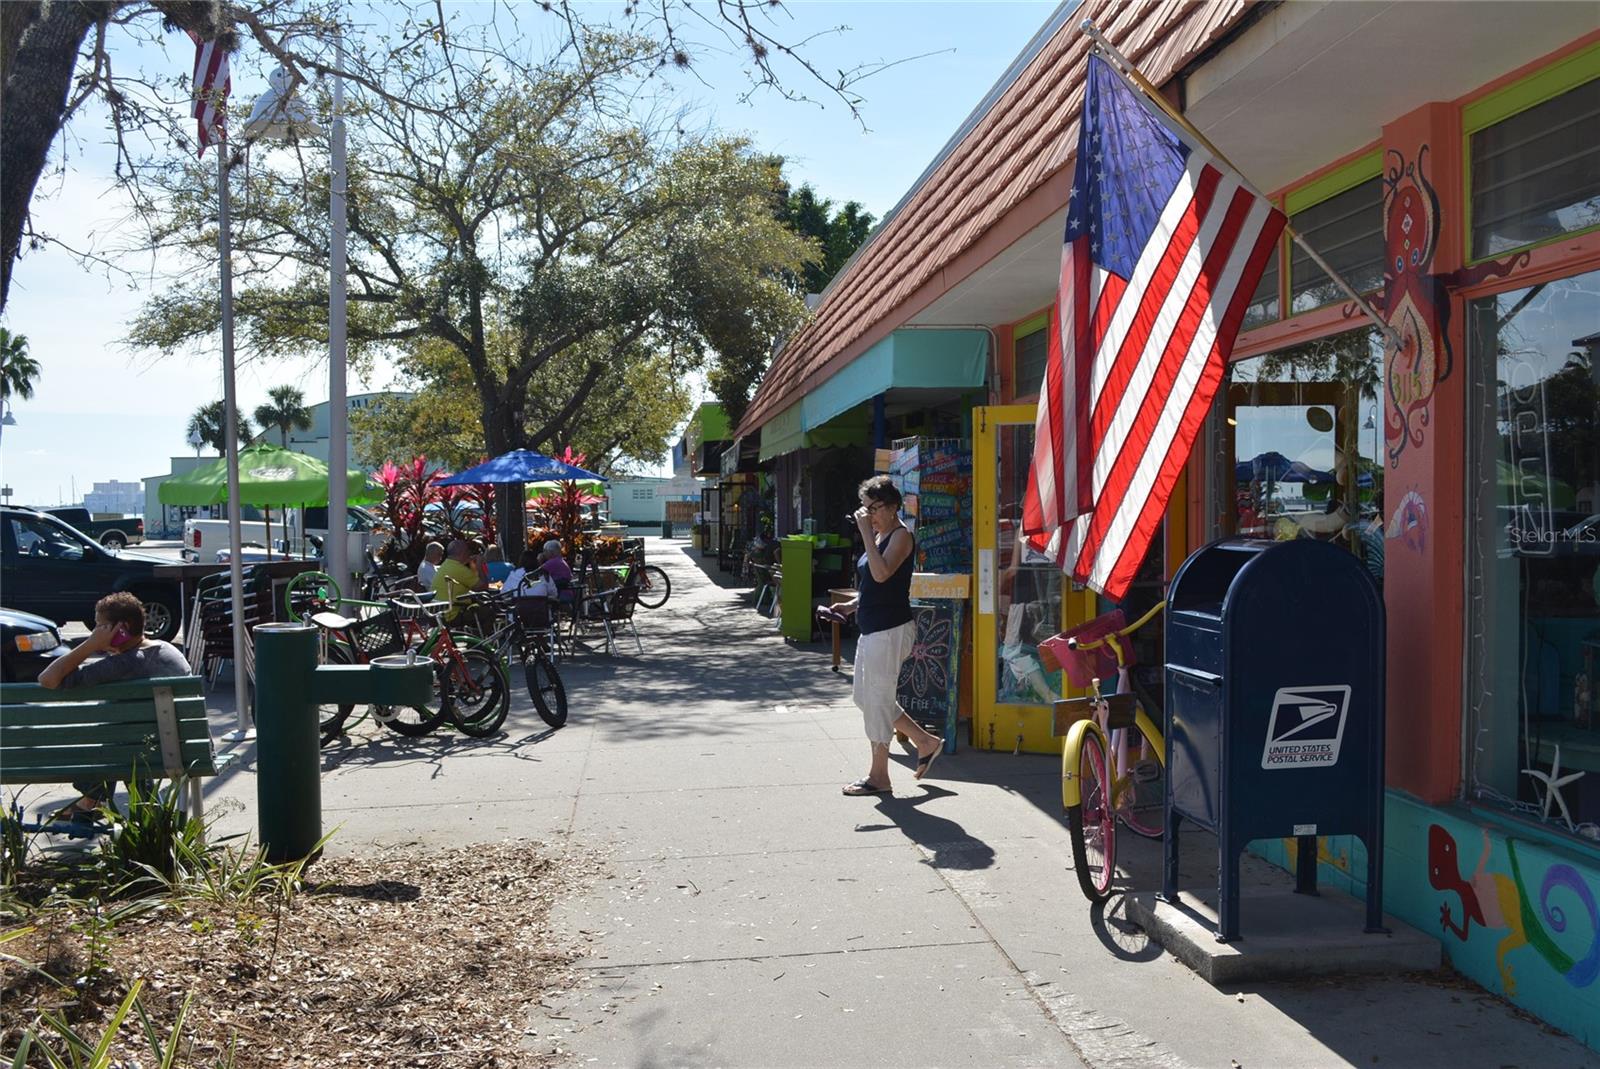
{"x": 946, "y": 840}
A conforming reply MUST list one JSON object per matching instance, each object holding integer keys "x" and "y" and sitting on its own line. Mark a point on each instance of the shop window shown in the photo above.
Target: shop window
{"x": 1032, "y": 350}
{"x": 1533, "y": 549}
{"x": 1346, "y": 229}
{"x": 1536, "y": 174}
{"x": 1264, "y": 302}
{"x": 1298, "y": 444}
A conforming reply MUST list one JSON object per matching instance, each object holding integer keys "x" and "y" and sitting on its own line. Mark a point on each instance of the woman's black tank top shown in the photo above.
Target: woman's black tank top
{"x": 886, "y": 604}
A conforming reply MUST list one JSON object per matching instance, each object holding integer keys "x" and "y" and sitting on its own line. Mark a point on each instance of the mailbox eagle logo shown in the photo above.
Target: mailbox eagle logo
{"x": 1306, "y": 727}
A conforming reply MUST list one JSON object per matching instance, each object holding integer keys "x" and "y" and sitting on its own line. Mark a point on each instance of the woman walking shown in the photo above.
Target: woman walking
{"x": 883, "y": 615}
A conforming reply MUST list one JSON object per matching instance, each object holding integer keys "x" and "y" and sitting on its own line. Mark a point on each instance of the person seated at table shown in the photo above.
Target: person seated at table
{"x": 119, "y": 634}
{"x": 526, "y": 578}
{"x": 457, "y": 576}
{"x": 495, "y": 564}
{"x": 555, "y": 566}
{"x": 429, "y": 566}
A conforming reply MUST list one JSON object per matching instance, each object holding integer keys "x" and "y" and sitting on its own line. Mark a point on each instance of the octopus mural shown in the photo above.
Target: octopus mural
{"x": 1418, "y": 356}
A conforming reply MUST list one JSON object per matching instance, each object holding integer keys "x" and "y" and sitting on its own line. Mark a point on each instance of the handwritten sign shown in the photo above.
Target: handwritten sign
{"x": 929, "y": 689}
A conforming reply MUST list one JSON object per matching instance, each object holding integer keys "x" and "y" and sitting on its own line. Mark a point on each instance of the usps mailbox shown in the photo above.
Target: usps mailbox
{"x": 1274, "y": 708}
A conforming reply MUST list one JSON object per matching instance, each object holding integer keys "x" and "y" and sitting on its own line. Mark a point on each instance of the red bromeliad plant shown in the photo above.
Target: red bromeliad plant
{"x": 408, "y": 489}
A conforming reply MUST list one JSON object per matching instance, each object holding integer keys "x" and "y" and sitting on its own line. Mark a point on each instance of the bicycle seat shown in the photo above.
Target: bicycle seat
{"x": 332, "y": 621}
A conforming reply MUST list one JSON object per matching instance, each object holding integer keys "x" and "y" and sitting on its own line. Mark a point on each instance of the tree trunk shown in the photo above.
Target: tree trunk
{"x": 37, "y": 80}
{"x": 501, "y": 434}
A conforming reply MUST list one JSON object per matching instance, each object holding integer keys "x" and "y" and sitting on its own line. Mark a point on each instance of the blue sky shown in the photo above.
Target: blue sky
{"x": 103, "y": 412}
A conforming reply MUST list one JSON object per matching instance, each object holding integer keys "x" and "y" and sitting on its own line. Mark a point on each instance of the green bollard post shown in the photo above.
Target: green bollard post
{"x": 288, "y": 746}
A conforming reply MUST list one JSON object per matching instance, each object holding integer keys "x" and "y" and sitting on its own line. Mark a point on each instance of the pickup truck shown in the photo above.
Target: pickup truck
{"x": 204, "y": 539}
{"x": 114, "y": 533}
{"x": 49, "y": 568}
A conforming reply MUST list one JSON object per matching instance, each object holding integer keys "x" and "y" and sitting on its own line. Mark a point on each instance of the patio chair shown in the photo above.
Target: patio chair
{"x": 613, "y": 610}
{"x": 209, "y": 642}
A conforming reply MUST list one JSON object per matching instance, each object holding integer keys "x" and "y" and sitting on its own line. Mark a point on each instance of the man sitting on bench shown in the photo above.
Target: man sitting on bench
{"x": 118, "y": 632}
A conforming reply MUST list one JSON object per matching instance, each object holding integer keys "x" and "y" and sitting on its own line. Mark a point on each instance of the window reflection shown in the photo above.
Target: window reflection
{"x": 1534, "y": 552}
{"x": 1028, "y": 585}
{"x": 1299, "y": 448}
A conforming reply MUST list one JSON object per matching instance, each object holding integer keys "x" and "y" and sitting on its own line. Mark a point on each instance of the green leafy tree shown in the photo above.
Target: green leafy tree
{"x": 544, "y": 237}
{"x": 57, "y": 57}
{"x": 208, "y": 425}
{"x": 286, "y": 411}
{"x": 834, "y": 236}
{"x": 18, "y": 370}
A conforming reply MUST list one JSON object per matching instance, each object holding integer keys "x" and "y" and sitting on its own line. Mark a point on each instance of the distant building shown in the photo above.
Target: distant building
{"x": 167, "y": 521}
{"x": 314, "y": 440}
{"x": 116, "y": 497}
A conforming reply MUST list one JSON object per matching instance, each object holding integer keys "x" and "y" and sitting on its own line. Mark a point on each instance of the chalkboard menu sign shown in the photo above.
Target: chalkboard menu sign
{"x": 930, "y": 679}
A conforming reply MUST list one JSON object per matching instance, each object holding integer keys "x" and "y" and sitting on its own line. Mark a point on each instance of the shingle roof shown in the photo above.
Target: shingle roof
{"x": 1025, "y": 138}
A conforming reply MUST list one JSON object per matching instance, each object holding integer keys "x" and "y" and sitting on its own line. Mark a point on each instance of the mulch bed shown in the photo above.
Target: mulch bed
{"x": 410, "y": 957}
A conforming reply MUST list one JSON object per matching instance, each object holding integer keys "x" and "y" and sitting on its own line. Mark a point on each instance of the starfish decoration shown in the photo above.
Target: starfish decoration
{"x": 1553, "y": 781}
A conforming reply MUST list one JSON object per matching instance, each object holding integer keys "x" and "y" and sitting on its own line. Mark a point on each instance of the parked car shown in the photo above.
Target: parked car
{"x": 28, "y": 643}
{"x": 114, "y": 533}
{"x": 203, "y": 538}
{"x": 50, "y": 568}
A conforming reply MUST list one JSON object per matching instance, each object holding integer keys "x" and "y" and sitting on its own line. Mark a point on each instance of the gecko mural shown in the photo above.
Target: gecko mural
{"x": 1496, "y": 901}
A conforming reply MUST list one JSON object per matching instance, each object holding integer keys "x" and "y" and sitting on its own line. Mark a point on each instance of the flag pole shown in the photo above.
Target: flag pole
{"x": 230, "y": 437}
{"x": 337, "y": 549}
{"x": 1132, "y": 73}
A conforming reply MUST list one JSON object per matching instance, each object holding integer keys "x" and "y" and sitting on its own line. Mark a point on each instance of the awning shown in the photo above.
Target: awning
{"x": 783, "y": 433}
{"x": 906, "y": 359}
{"x": 786, "y": 431}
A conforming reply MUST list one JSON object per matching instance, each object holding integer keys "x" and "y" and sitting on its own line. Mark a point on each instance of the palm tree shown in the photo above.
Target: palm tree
{"x": 207, "y": 425}
{"x": 286, "y": 410}
{"x": 18, "y": 370}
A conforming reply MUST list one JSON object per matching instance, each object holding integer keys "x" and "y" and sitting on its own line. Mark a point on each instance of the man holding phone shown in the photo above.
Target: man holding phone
{"x": 118, "y": 633}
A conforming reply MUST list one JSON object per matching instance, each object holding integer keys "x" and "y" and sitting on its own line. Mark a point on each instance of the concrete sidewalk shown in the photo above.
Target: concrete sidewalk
{"x": 757, "y": 917}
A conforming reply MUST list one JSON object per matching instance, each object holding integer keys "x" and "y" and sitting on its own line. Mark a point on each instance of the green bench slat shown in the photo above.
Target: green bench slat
{"x": 19, "y": 738}
{"x": 28, "y": 716}
{"x": 122, "y": 753}
{"x": 87, "y": 733}
{"x": 182, "y": 686}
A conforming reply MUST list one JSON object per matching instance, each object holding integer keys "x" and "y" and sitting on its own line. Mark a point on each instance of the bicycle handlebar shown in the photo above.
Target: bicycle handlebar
{"x": 1116, "y": 647}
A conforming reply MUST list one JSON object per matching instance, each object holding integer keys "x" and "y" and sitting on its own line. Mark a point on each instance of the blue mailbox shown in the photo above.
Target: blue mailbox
{"x": 1274, "y": 708}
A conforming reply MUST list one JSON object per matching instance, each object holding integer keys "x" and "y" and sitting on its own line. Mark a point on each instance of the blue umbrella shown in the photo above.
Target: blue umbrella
{"x": 520, "y": 466}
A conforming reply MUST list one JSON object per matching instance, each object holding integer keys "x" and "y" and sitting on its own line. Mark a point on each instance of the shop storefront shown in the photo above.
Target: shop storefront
{"x": 1461, "y": 467}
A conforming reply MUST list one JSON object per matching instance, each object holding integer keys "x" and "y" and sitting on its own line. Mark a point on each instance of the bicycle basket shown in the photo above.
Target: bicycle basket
{"x": 378, "y": 635}
{"x": 1085, "y": 666}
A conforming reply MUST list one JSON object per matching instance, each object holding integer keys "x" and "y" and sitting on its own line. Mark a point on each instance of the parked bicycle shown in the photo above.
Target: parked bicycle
{"x": 524, "y": 632}
{"x": 654, "y": 586}
{"x": 1106, "y": 776}
{"x": 471, "y": 687}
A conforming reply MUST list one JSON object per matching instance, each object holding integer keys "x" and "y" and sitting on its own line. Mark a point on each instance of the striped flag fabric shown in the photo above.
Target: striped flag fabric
{"x": 1164, "y": 247}
{"x": 211, "y": 85}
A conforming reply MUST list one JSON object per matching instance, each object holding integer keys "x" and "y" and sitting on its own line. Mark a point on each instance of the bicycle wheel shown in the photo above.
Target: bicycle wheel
{"x": 414, "y": 721}
{"x": 1093, "y": 827}
{"x": 480, "y": 695}
{"x": 308, "y": 589}
{"x": 654, "y": 586}
{"x": 545, "y": 687}
{"x": 332, "y": 717}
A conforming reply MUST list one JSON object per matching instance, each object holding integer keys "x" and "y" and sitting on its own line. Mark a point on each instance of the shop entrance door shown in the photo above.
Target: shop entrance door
{"x": 1022, "y": 598}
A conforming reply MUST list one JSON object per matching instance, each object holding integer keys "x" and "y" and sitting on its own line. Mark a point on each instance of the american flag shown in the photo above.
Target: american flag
{"x": 1164, "y": 247}
{"x": 211, "y": 85}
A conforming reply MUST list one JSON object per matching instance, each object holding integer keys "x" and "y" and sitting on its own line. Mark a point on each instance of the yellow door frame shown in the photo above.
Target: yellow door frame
{"x": 995, "y": 725}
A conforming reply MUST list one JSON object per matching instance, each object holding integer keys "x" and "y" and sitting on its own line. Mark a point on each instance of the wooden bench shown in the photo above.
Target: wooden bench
{"x": 146, "y": 728}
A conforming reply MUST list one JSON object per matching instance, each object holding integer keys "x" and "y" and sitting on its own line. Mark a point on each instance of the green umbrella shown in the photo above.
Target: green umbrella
{"x": 553, "y": 486}
{"x": 268, "y": 475}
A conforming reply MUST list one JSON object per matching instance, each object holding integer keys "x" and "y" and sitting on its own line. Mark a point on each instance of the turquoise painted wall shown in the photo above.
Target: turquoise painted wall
{"x": 1529, "y": 931}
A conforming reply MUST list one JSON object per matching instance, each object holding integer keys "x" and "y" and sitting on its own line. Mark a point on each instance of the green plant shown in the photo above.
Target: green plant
{"x": 13, "y": 847}
{"x": 76, "y": 1052}
{"x": 151, "y": 840}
